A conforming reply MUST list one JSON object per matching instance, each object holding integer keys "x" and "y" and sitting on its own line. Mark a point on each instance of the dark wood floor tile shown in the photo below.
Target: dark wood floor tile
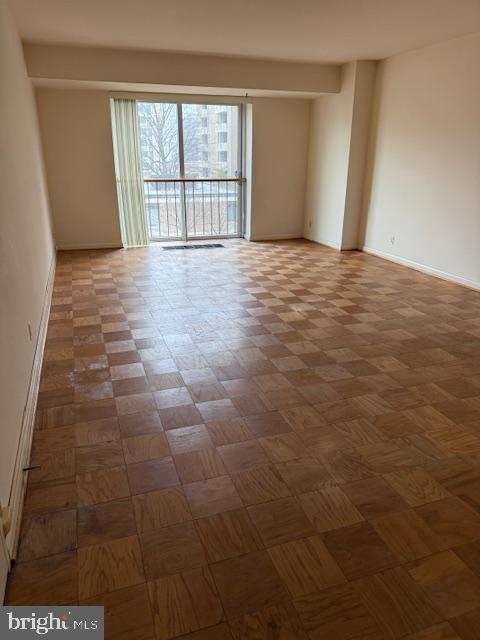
{"x": 452, "y": 520}
{"x": 48, "y": 534}
{"x": 280, "y": 521}
{"x": 103, "y": 522}
{"x": 248, "y": 583}
{"x": 359, "y": 550}
{"x": 373, "y": 497}
{"x": 407, "y": 535}
{"x": 267, "y": 424}
{"x": 47, "y": 581}
{"x": 152, "y": 474}
{"x": 50, "y": 496}
{"x": 442, "y": 631}
{"x": 466, "y": 625}
{"x": 228, "y": 432}
{"x": 139, "y": 423}
{"x": 208, "y": 497}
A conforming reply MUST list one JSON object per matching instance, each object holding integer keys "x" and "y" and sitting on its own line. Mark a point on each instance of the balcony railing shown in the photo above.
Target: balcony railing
{"x": 205, "y": 207}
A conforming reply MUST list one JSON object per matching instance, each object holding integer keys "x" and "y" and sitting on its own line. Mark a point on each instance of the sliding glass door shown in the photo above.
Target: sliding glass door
{"x": 191, "y": 162}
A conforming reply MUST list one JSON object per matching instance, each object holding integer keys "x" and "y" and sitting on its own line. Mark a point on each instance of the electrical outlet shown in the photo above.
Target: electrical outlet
{"x": 392, "y": 240}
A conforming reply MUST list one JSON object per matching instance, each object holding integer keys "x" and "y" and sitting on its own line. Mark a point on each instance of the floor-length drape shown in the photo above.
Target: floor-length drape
{"x": 128, "y": 169}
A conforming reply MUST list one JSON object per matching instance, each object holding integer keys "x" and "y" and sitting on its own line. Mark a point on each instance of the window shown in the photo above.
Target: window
{"x": 205, "y": 156}
{"x": 204, "y": 123}
{"x": 204, "y": 138}
{"x": 222, "y": 156}
{"x": 222, "y": 117}
{"x": 222, "y": 136}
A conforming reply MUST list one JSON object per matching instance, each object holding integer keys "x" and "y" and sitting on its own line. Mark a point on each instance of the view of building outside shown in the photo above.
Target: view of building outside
{"x": 210, "y": 151}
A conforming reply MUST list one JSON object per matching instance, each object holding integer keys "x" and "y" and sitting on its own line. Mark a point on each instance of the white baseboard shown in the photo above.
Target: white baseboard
{"x": 326, "y": 243}
{"x": 19, "y": 480}
{"x": 279, "y": 236}
{"x": 471, "y": 284}
{"x": 99, "y": 245}
{"x": 4, "y": 565}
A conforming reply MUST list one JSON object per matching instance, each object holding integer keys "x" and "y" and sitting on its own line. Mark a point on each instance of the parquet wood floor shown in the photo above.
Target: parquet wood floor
{"x": 269, "y": 440}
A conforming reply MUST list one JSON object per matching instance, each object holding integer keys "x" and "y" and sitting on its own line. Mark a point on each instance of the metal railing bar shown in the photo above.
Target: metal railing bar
{"x": 194, "y": 212}
{"x": 203, "y": 208}
{"x": 194, "y": 180}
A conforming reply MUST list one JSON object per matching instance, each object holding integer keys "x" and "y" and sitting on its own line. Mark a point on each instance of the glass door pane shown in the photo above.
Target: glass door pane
{"x": 211, "y": 136}
{"x": 191, "y": 168}
{"x": 158, "y": 124}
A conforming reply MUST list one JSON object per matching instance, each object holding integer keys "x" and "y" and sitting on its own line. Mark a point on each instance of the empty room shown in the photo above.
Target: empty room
{"x": 240, "y": 319}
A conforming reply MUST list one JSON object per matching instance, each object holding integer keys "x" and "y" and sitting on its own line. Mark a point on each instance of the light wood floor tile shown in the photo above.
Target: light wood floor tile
{"x": 450, "y": 585}
{"x": 109, "y": 566}
{"x": 171, "y": 550}
{"x": 329, "y": 509}
{"x": 145, "y": 447}
{"x": 416, "y": 486}
{"x": 337, "y": 613}
{"x": 227, "y": 535}
{"x": 102, "y": 486}
{"x": 397, "y": 603}
{"x": 306, "y": 566}
{"x": 127, "y": 614}
{"x": 184, "y": 602}
{"x": 278, "y": 621}
{"x": 162, "y": 508}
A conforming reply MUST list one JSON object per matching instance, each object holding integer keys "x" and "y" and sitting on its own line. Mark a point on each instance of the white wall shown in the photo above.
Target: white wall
{"x": 365, "y": 72}
{"x": 77, "y": 143}
{"x": 279, "y": 163}
{"x": 331, "y": 166}
{"x": 26, "y": 246}
{"x": 178, "y": 69}
{"x": 423, "y": 178}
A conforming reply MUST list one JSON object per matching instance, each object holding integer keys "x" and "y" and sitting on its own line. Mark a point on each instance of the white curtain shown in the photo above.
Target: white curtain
{"x": 128, "y": 169}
